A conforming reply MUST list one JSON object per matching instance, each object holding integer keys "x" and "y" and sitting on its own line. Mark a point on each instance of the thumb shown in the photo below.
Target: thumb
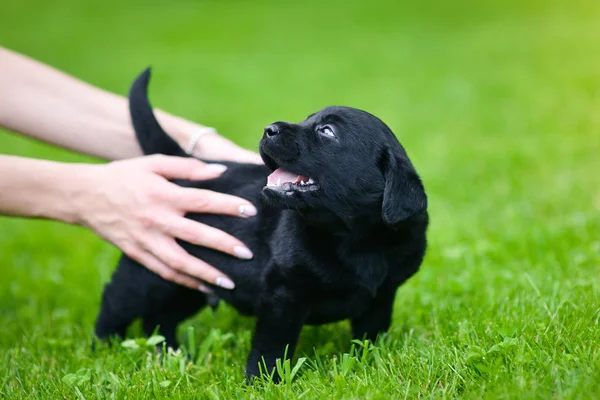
{"x": 247, "y": 156}
{"x": 184, "y": 168}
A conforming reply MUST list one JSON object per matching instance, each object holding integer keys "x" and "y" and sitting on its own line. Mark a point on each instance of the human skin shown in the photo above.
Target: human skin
{"x": 129, "y": 201}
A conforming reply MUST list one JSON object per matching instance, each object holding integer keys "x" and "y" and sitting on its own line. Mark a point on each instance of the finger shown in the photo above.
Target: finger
{"x": 174, "y": 256}
{"x": 183, "y": 168}
{"x": 209, "y": 202}
{"x": 169, "y": 274}
{"x": 224, "y": 149}
{"x": 205, "y": 235}
{"x": 247, "y": 156}
{"x": 205, "y": 289}
{"x": 236, "y": 154}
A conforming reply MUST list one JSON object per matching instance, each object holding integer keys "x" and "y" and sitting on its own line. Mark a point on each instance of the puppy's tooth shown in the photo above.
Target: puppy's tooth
{"x": 310, "y": 180}
{"x": 279, "y": 182}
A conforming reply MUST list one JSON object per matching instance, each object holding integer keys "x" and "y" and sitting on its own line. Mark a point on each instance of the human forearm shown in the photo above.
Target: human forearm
{"x": 40, "y": 189}
{"x": 132, "y": 204}
{"x": 46, "y": 104}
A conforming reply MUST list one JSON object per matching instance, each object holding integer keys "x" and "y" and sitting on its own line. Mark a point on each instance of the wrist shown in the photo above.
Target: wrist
{"x": 67, "y": 198}
{"x": 183, "y": 131}
{"x": 78, "y": 192}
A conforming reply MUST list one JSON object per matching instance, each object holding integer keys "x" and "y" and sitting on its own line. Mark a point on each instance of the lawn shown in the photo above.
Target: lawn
{"x": 498, "y": 105}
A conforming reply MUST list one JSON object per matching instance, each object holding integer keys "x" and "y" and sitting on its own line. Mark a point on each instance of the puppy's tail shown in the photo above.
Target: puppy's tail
{"x": 150, "y": 135}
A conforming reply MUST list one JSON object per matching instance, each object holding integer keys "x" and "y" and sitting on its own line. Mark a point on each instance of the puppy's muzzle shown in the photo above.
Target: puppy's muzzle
{"x": 279, "y": 144}
{"x": 280, "y": 152}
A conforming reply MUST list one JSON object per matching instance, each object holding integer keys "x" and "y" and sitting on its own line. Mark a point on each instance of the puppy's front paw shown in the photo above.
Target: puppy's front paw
{"x": 253, "y": 377}
{"x": 261, "y": 369}
{"x": 250, "y": 377}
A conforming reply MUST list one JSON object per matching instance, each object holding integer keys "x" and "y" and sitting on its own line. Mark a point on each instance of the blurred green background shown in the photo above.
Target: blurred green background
{"x": 498, "y": 106}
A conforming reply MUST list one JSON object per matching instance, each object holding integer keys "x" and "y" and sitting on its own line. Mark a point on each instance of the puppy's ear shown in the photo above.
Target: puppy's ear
{"x": 404, "y": 194}
{"x": 150, "y": 135}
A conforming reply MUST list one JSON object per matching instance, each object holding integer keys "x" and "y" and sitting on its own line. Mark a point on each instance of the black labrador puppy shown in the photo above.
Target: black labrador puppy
{"x": 342, "y": 219}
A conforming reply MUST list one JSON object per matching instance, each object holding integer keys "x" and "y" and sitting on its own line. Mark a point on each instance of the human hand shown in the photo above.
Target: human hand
{"x": 210, "y": 145}
{"x": 132, "y": 204}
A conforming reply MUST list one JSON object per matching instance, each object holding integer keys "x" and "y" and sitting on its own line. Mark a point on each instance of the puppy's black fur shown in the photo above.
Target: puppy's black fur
{"x": 334, "y": 249}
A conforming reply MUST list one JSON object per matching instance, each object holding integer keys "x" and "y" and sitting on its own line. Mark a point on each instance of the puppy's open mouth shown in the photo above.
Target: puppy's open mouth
{"x": 288, "y": 182}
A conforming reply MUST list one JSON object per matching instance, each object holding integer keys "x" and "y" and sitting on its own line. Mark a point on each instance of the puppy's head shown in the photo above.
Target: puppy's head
{"x": 343, "y": 160}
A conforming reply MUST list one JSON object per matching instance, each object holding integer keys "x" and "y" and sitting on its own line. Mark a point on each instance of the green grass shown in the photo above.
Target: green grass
{"x": 498, "y": 104}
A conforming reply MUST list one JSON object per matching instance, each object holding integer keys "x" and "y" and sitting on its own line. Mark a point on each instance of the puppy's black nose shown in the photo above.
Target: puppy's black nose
{"x": 271, "y": 130}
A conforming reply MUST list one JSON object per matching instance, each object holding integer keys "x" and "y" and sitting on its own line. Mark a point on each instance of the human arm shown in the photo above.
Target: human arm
{"x": 131, "y": 204}
{"x": 49, "y": 105}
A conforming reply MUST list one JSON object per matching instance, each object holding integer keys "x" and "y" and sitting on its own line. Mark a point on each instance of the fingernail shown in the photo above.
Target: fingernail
{"x": 247, "y": 210}
{"x": 220, "y": 168}
{"x": 205, "y": 289}
{"x": 242, "y": 252}
{"x": 225, "y": 283}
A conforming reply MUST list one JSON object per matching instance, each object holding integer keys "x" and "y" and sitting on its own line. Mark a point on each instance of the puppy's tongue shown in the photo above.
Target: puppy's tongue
{"x": 281, "y": 176}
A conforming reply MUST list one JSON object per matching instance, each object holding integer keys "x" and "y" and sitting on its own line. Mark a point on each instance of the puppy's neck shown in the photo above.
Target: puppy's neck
{"x": 328, "y": 221}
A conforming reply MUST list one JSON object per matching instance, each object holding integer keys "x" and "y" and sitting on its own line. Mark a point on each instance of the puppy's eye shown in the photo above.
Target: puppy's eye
{"x": 326, "y": 130}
